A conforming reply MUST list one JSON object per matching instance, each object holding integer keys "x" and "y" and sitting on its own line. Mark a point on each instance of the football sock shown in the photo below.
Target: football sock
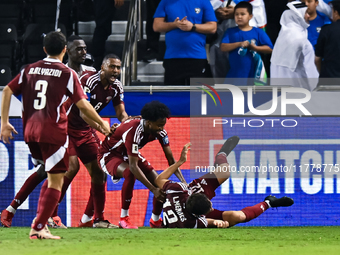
{"x": 127, "y": 188}
{"x": 11, "y": 209}
{"x": 66, "y": 184}
{"x": 254, "y": 211}
{"x": 124, "y": 213}
{"x": 157, "y": 206}
{"x": 215, "y": 214}
{"x": 26, "y": 189}
{"x": 221, "y": 158}
{"x": 85, "y": 218}
{"x": 42, "y": 192}
{"x": 46, "y": 206}
{"x": 89, "y": 210}
{"x": 155, "y": 217}
{"x": 98, "y": 193}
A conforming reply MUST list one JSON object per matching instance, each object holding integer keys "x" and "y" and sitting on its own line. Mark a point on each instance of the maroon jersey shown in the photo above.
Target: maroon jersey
{"x": 128, "y": 138}
{"x": 45, "y": 85}
{"x": 174, "y": 212}
{"x": 99, "y": 97}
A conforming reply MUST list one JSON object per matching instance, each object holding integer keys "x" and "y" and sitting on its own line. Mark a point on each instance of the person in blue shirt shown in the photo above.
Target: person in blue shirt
{"x": 316, "y": 21}
{"x": 242, "y": 41}
{"x": 185, "y": 23}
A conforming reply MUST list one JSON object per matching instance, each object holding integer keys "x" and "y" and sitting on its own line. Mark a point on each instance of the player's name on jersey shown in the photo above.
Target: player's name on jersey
{"x": 45, "y": 71}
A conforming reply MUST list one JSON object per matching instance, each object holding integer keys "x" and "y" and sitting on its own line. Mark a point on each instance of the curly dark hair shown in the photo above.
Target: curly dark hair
{"x": 198, "y": 204}
{"x": 154, "y": 111}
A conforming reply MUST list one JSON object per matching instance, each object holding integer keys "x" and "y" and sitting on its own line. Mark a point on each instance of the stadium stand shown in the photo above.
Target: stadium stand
{"x": 8, "y": 45}
{"x": 5, "y": 75}
{"x": 32, "y": 45}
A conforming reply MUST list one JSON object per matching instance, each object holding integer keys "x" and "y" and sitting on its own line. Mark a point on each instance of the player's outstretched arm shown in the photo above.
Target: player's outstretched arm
{"x": 86, "y": 108}
{"x": 170, "y": 157}
{"x": 6, "y": 127}
{"x": 212, "y": 223}
{"x": 165, "y": 175}
{"x": 137, "y": 172}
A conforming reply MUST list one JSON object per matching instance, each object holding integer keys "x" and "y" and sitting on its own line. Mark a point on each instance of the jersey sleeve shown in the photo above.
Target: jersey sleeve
{"x": 119, "y": 98}
{"x": 15, "y": 84}
{"x": 172, "y": 186}
{"x": 201, "y": 222}
{"x": 74, "y": 88}
{"x": 131, "y": 139}
{"x": 160, "y": 11}
{"x": 264, "y": 38}
{"x": 208, "y": 12}
{"x": 163, "y": 138}
{"x": 226, "y": 36}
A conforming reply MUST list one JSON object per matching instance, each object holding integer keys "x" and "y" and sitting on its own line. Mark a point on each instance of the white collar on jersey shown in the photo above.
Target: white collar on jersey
{"x": 142, "y": 121}
{"x": 51, "y": 60}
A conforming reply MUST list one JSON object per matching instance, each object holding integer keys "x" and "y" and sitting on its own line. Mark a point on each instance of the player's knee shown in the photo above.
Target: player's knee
{"x": 241, "y": 216}
{"x": 41, "y": 172}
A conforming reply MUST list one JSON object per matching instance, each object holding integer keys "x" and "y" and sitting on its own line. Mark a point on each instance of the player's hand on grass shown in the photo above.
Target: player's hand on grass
{"x": 6, "y": 132}
{"x": 184, "y": 153}
{"x": 221, "y": 223}
{"x": 159, "y": 194}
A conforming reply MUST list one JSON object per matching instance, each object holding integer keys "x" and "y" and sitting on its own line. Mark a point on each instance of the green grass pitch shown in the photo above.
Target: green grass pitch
{"x": 236, "y": 240}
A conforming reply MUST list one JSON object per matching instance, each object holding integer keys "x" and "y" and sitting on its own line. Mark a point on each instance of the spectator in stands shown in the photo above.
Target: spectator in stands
{"x": 104, "y": 13}
{"x": 293, "y": 54}
{"x": 327, "y": 49}
{"x": 316, "y": 21}
{"x": 224, "y": 11}
{"x": 152, "y": 37}
{"x": 243, "y": 42}
{"x": 186, "y": 23}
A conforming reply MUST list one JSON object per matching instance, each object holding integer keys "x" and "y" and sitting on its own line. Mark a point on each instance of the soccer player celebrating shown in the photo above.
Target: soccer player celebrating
{"x": 189, "y": 206}
{"x": 44, "y": 86}
{"x": 119, "y": 157}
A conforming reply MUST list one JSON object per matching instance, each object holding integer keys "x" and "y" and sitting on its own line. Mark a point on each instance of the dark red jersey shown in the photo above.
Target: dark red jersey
{"x": 98, "y": 96}
{"x": 128, "y": 138}
{"x": 45, "y": 85}
{"x": 174, "y": 212}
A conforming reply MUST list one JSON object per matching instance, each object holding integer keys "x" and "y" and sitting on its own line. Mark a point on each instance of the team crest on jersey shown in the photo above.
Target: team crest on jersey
{"x": 121, "y": 97}
{"x": 108, "y": 99}
{"x": 93, "y": 96}
{"x": 197, "y": 10}
{"x": 86, "y": 90}
{"x": 134, "y": 148}
{"x": 165, "y": 140}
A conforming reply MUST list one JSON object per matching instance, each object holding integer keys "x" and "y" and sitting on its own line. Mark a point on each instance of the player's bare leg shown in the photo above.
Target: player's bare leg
{"x": 251, "y": 212}
{"x": 27, "y": 188}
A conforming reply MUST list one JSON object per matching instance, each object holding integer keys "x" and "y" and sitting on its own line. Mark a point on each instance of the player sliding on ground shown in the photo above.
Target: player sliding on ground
{"x": 189, "y": 206}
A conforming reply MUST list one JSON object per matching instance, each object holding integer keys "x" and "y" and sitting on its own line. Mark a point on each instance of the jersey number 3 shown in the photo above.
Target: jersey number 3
{"x": 40, "y": 102}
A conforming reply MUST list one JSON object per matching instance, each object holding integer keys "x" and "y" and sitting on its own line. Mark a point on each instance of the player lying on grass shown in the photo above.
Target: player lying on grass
{"x": 189, "y": 206}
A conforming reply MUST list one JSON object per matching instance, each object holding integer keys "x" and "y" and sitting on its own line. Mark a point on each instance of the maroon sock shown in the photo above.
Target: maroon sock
{"x": 89, "y": 210}
{"x": 215, "y": 214}
{"x": 66, "y": 184}
{"x": 42, "y": 192}
{"x": 157, "y": 206}
{"x": 26, "y": 189}
{"x": 127, "y": 188}
{"x": 98, "y": 193}
{"x": 221, "y": 158}
{"x": 46, "y": 206}
{"x": 254, "y": 211}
